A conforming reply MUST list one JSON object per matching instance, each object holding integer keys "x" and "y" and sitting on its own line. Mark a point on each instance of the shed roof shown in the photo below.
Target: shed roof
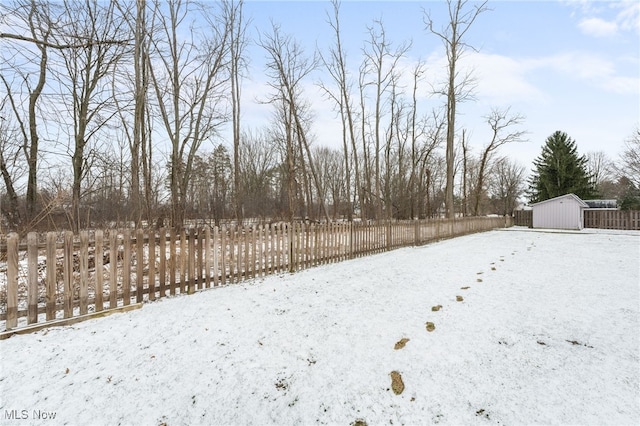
{"x": 568, "y": 196}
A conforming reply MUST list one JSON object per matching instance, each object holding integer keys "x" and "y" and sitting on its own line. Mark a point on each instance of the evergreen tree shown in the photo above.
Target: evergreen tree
{"x": 559, "y": 170}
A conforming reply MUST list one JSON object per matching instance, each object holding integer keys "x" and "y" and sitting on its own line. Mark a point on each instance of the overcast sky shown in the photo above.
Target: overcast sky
{"x": 565, "y": 65}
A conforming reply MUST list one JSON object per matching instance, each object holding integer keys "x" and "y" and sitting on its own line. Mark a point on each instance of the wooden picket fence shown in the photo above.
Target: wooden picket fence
{"x": 60, "y": 276}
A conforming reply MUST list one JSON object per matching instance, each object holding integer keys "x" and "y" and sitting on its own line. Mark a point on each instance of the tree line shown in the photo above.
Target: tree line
{"x": 113, "y": 112}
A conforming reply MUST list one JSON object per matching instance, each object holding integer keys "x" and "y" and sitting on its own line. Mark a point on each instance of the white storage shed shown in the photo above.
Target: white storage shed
{"x": 563, "y": 212}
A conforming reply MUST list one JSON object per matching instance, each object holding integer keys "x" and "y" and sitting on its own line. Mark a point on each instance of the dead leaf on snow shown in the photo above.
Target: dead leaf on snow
{"x": 400, "y": 344}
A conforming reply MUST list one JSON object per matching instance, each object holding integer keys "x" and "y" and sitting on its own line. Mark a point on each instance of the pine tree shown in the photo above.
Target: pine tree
{"x": 559, "y": 170}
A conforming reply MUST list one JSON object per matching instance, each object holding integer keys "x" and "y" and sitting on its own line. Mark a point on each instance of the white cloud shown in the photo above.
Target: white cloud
{"x": 593, "y": 69}
{"x": 629, "y": 16}
{"x": 503, "y": 80}
{"x": 598, "y": 27}
{"x": 620, "y": 16}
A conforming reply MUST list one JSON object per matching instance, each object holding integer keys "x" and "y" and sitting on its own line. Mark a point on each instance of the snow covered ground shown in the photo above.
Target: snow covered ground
{"x": 547, "y": 332}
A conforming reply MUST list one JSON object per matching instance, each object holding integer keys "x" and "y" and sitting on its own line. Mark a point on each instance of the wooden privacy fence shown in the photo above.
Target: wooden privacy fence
{"x": 612, "y": 219}
{"x": 523, "y": 218}
{"x": 593, "y": 218}
{"x": 53, "y": 276}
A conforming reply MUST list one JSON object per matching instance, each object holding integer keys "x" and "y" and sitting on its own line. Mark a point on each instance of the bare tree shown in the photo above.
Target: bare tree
{"x": 330, "y": 169}
{"x": 629, "y": 165}
{"x": 366, "y": 186}
{"x": 287, "y": 67}
{"x": 336, "y": 66}
{"x": 506, "y": 184}
{"x": 187, "y": 69}
{"x": 502, "y": 133}
{"x": 87, "y": 68}
{"x": 380, "y": 61}
{"x": 237, "y": 62}
{"x": 429, "y": 164}
{"x": 601, "y": 169}
{"x": 456, "y": 89}
{"x": 258, "y": 164}
{"x": 137, "y": 123}
{"x": 468, "y": 170}
{"x": 36, "y": 26}
{"x": 417, "y": 129}
{"x": 210, "y": 186}
{"x": 10, "y": 165}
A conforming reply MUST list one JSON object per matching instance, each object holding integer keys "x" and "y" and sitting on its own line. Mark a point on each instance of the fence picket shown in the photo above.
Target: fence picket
{"x": 172, "y": 262}
{"x": 32, "y": 277}
{"x": 139, "y": 265}
{"x": 12, "y": 282}
{"x": 113, "y": 269}
{"x": 191, "y": 261}
{"x": 223, "y": 255}
{"x": 99, "y": 259}
{"x": 200, "y": 259}
{"x": 52, "y": 284}
{"x": 151, "y": 275}
{"x": 84, "y": 272}
{"x": 200, "y": 263}
{"x": 68, "y": 274}
{"x": 207, "y": 257}
{"x": 183, "y": 261}
{"x": 215, "y": 252}
{"x": 126, "y": 268}
{"x": 162, "y": 271}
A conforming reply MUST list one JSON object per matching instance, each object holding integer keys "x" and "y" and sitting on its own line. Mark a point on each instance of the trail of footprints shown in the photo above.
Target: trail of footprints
{"x": 397, "y": 385}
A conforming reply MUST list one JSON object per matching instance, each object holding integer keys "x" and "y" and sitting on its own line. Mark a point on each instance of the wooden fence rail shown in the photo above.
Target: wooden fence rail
{"x": 52, "y": 276}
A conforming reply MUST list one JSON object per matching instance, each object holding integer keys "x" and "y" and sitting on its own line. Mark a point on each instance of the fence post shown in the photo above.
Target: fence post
{"x": 207, "y": 257}
{"x": 50, "y": 298}
{"x": 68, "y": 274}
{"x": 84, "y": 272}
{"x": 12, "y": 283}
{"x": 183, "y": 260}
{"x": 200, "y": 267}
{"x": 113, "y": 269}
{"x": 162, "y": 252}
{"x": 32, "y": 277}
{"x": 254, "y": 249}
{"x": 389, "y": 242}
{"x": 126, "y": 268}
{"x": 223, "y": 255}
{"x": 99, "y": 237}
{"x": 216, "y": 238}
{"x": 232, "y": 252}
{"x": 172, "y": 262}
{"x": 151, "y": 275}
{"x": 290, "y": 242}
{"x": 191, "y": 262}
{"x": 139, "y": 265}
{"x": 260, "y": 250}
